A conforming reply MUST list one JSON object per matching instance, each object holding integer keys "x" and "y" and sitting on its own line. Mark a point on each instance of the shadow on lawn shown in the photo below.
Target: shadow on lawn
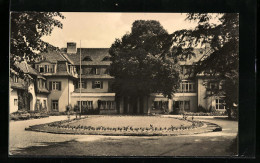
{"x": 44, "y": 149}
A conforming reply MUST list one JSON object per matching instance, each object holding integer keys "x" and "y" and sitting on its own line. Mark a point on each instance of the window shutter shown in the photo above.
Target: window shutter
{"x": 59, "y": 85}
{"x": 85, "y": 84}
{"x": 76, "y": 84}
{"x": 50, "y": 85}
{"x": 101, "y": 83}
{"x": 93, "y": 84}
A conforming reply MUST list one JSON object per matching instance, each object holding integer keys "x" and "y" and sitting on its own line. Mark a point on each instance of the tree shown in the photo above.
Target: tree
{"x": 223, "y": 62}
{"x": 27, "y": 29}
{"x": 142, "y": 61}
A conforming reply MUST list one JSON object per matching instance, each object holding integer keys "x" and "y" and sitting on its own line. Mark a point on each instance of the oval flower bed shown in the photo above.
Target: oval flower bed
{"x": 80, "y": 127}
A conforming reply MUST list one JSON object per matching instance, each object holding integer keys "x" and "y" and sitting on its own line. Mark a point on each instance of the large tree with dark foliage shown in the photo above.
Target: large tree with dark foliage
{"x": 27, "y": 29}
{"x": 142, "y": 62}
{"x": 223, "y": 62}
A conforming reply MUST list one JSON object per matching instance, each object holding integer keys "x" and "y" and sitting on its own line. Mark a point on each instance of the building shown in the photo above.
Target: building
{"x": 28, "y": 93}
{"x": 58, "y": 82}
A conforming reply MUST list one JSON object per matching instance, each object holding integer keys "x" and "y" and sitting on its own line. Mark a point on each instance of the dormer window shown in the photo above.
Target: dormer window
{"x": 106, "y": 58}
{"x": 87, "y": 58}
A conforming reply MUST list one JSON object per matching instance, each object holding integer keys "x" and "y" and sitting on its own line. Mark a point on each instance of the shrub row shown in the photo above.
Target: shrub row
{"x": 59, "y": 124}
{"x": 201, "y": 113}
{"x": 24, "y": 115}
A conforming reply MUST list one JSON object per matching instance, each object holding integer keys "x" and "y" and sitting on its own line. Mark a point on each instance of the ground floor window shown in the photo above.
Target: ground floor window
{"x": 182, "y": 105}
{"x": 44, "y": 104}
{"x": 160, "y": 105}
{"x": 85, "y": 104}
{"x": 220, "y": 104}
{"x": 55, "y": 105}
{"x": 107, "y": 105}
{"x": 15, "y": 102}
{"x": 37, "y": 104}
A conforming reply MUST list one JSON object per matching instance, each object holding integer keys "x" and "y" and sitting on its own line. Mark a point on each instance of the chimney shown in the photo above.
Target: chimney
{"x": 71, "y": 47}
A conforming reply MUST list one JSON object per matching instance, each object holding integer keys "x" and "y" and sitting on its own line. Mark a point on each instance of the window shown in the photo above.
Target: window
{"x": 54, "y": 105}
{"x": 106, "y": 105}
{"x": 15, "y": 78}
{"x": 183, "y": 105}
{"x": 82, "y": 85}
{"x": 97, "y": 84}
{"x": 160, "y": 105}
{"x": 44, "y": 104}
{"x": 220, "y": 104}
{"x": 187, "y": 86}
{"x": 41, "y": 68}
{"x": 106, "y": 58}
{"x": 96, "y": 71}
{"x": 55, "y": 85}
{"x": 39, "y": 83}
{"x": 37, "y": 104}
{"x": 213, "y": 85}
{"x": 15, "y": 102}
{"x": 87, "y": 58}
{"x": 106, "y": 71}
{"x": 46, "y": 68}
{"x": 85, "y": 105}
{"x": 43, "y": 84}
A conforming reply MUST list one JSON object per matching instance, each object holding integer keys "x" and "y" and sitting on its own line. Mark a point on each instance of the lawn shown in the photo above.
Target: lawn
{"x": 131, "y": 121}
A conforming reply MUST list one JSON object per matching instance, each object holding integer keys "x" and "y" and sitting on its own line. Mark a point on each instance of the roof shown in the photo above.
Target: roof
{"x": 199, "y": 54}
{"x": 101, "y": 76}
{"x": 26, "y": 68}
{"x": 96, "y": 55}
{"x": 52, "y": 56}
{"x": 42, "y": 90}
{"x": 18, "y": 85}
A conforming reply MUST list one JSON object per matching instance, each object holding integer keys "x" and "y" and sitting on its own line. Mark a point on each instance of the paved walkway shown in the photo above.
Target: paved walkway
{"x": 23, "y": 142}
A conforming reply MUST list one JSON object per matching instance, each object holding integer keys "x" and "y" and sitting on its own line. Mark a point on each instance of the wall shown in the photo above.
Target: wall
{"x": 13, "y": 95}
{"x": 62, "y": 96}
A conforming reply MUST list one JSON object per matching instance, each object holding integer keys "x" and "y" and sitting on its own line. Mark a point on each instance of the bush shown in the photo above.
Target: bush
{"x": 202, "y": 109}
{"x": 69, "y": 108}
{"x": 91, "y": 112}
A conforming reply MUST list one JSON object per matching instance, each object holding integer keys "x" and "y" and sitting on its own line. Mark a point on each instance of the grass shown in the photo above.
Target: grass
{"x": 131, "y": 121}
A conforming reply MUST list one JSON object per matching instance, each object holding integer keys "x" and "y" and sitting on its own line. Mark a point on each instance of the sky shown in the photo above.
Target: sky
{"x": 99, "y": 30}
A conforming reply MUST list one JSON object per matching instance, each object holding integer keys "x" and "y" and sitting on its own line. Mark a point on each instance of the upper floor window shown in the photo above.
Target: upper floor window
{"x": 15, "y": 102}
{"x": 187, "y": 86}
{"x": 96, "y": 71}
{"x": 107, "y": 58}
{"x": 87, "y": 58}
{"x": 187, "y": 70}
{"x": 214, "y": 85}
{"x": 45, "y": 68}
{"x": 82, "y": 85}
{"x": 97, "y": 84}
{"x": 55, "y": 85}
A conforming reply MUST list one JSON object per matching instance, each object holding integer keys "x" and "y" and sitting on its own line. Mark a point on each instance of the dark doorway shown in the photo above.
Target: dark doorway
{"x": 141, "y": 105}
{"x": 125, "y": 105}
{"x": 134, "y": 101}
